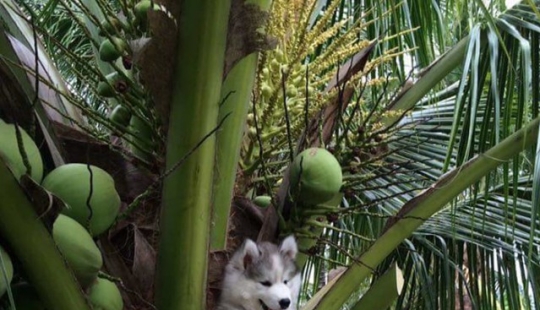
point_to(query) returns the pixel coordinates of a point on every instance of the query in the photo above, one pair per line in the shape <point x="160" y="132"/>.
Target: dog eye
<point x="286" y="281"/>
<point x="266" y="283"/>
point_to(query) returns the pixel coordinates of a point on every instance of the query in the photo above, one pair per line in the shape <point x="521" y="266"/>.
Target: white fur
<point x="242" y="288"/>
<point x="288" y="247"/>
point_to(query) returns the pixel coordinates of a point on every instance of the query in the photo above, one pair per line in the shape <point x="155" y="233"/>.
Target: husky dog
<point x="261" y="276"/>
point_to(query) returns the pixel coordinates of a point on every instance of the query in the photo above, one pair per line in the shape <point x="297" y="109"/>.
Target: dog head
<point x="274" y="279"/>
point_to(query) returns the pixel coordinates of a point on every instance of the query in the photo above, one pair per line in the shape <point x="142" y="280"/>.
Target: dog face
<point x="266" y="275"/>
<point x="274" y="272"/>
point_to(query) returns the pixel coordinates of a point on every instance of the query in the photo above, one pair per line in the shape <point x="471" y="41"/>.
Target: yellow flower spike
<point x="319" y="26"/>
<point x="284" y="69"/>
<point x="266" y="90"/>
<point x="317" y="38"/>
<point x="252" y="133"/>
<point x="275" y="65"/>
<point x="250" y="119"/>
<point x="288" y="23"/>
<point x="291" y="91"/>
<point x="298" y="81"/>
<point x="265" y="73"/>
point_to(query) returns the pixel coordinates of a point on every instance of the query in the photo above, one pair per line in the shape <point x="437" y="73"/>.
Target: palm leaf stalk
<point x="235" y="99"/>
<point x="423" y="206"/>
<point x="187" y="190"/>
<point x="431" y="77"/>
<point x="384" y="292"/>
<point x="35" y="249"/>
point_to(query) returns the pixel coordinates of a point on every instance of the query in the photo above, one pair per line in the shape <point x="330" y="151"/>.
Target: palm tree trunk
<point x="187" y="190"/>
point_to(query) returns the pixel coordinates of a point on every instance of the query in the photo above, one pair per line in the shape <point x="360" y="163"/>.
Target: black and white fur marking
<point x="262" y="276"/>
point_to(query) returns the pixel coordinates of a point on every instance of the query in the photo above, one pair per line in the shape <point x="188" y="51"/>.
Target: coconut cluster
<point x="123" y="36"/>
<point x="92" y="205"/>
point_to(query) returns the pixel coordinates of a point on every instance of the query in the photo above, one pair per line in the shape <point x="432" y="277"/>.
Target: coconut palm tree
<point x="431" y="109"/>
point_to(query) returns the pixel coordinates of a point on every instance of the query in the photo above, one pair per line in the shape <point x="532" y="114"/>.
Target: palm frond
<point x="479" y="250"/>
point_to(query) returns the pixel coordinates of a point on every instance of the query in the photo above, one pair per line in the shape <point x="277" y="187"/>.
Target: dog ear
<point x="251" y="252"/>
<point x="245" y="255"/>
<point x="288" y="247"/>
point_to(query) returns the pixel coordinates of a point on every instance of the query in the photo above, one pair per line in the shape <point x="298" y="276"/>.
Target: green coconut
<point x="8" y="267"/>
<point x="141" y="13"/>
<point x="121" y="116"/>
<point x="111" y="26"/>
<point x="262" y="201"/>
<point x="26" y="298"/>
<point x="105" y="295"/>
<point x="142" y="135"/>
<point x="111" y="50"/>
<point x="9" y="151"/>
<point x="71" y="183"/>
<point x="78" y="248"/>
<point x="142" y="8"/>
<point x="106" y="88"/>
<point x="315" y="176"/>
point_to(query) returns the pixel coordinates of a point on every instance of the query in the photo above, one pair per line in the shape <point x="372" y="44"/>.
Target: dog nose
<point x="284" y="303"/>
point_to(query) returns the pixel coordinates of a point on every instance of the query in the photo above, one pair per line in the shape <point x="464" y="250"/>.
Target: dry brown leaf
<point x="144" y="263"/>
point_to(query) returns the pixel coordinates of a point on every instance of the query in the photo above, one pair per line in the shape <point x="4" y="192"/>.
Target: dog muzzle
<point x="284" y="304"/>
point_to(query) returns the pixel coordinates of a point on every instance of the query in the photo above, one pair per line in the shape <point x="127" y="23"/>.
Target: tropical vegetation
<point x="396" y="140"/>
